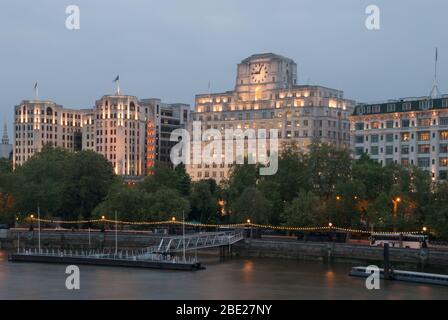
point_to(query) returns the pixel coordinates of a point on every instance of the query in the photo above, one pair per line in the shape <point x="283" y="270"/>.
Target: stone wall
<point x="77" y="239"/>
<point x="337" y="252"/>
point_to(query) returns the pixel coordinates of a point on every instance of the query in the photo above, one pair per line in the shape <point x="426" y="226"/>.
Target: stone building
<point x="267" y="96"/>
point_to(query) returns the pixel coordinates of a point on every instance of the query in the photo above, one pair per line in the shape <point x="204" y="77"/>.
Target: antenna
<point x="435" y="93"/>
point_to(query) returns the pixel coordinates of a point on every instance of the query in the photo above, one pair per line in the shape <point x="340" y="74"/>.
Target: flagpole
<point x="36" y="90"/>
<point x="435" y="66"/>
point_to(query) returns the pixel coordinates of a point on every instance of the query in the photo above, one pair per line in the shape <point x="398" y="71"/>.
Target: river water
<point x="237" y="278"/>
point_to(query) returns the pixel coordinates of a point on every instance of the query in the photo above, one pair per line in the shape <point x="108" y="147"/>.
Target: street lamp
<point x="424" y="229"/>
<point x="248" y="222"/>
<point x="338" y="198"/>
<point x="330" y="225"/>
<point x="395" y="201"/>
<point x="103" y="228"/>
<point x="32" y="222"/>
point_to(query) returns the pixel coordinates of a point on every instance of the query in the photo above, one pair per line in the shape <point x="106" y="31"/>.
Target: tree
<point x="5" y="166"/>
<point x="167" y="177"/>
<point x="130" y="204"/>
<point x="436" y="211"/>
<point x="370" y="173"/>
<point x="63" y="184"/>
<point x="240" y="177"/>
<point x="40" y="182"/>
<point x="379" y="212"/>
<point x="166" y="203"/>
<point x="293" y="174"/>
<point x="251" y="204"/>
<point x="328" y="165"/>
<point x="83" y="190"/>
<point x="303" y="211"/>
<point x="183" y="180"/>
<point x="345" y="203"/>
<point x="204" y="201"/>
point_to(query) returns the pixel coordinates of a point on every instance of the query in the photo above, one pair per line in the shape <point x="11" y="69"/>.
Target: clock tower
<point x="265" y="72"/>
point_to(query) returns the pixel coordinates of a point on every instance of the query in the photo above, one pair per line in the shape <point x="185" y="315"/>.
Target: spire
<point x="435" y="93"/>
<point x="5" y="139"/>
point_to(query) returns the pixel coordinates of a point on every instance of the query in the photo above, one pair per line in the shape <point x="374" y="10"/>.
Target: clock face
<point x="259" y="72"/>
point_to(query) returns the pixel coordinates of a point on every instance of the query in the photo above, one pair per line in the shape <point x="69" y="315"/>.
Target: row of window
<point x="207" y="174"/>
<point x="423" y="162"/>
<point x="49" y="112"/>
<point x="406" y="106"/>
<point x="405" y="123"/>
<point x="405" y="149"/>
<point x="405" y="136"/>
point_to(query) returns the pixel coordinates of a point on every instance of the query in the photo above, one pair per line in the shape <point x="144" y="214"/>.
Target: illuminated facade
<point x="119" y="131"/>
<point x="40" y="122"/>
<point x="166" y="118"/>
<point x="267" y="96"/>
<point x="129" y="133"/>
<point x="410" y="131"/>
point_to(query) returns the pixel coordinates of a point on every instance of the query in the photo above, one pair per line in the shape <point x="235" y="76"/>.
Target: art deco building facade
<point x="40" y="122"/>
<point x="116" y="128"/>
<point x="120" y="127"/>
<point x="411" y="131"/>
<point x="267" y="96"/>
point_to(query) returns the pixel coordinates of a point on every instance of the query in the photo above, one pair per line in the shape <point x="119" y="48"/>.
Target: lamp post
<point x="250" y="224"/>
<point x="89" y="235"/>
<point x="330" y="227"/>
<point x="32" y="222"/>
<point x="38" y="222"/>
<point x="395" y="202"/>
<point x="103" y="228"/>
<point x="183" y="233"/>
<point x="116" y="234"/>
<point x="170" y="229"/>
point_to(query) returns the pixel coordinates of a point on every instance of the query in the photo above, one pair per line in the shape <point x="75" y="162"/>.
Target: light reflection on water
<point x="231" y="279"/>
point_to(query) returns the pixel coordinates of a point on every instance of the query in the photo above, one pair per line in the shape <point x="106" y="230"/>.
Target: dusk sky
<point x="171" y="49"/>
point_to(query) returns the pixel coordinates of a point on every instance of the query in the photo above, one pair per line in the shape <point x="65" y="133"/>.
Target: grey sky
<point x="172" y="48"/>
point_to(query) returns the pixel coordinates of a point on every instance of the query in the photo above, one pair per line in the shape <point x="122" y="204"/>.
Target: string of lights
<point x="247" y="224"/>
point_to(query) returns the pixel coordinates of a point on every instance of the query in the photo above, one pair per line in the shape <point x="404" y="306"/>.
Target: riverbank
<point x="337" y="252"/>
<point x="248" y="248"/>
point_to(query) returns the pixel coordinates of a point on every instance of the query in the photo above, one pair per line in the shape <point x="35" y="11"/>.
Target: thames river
<point x="237" y="278"/>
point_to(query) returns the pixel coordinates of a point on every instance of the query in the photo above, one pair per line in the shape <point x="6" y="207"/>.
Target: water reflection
<point x="329" y="276"/>
<point x="230" y="279"/>
<point x="248" y="268"/>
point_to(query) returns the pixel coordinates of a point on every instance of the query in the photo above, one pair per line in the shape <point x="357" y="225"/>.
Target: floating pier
<point x="139" y="259"/>
<point x="401" y="275"/>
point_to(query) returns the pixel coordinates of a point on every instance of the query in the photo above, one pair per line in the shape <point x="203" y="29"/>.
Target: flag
<point x="36" y="90"/>
<point x="117" y="78"/>
<point x="436" y="54"/>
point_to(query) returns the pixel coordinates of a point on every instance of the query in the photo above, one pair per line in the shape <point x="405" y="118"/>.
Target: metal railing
<point x="126" y="255"/>
<point x="197" y="241"/>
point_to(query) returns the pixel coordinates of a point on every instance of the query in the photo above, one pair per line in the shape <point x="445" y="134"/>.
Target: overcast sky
<point x="172" y="48"/>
